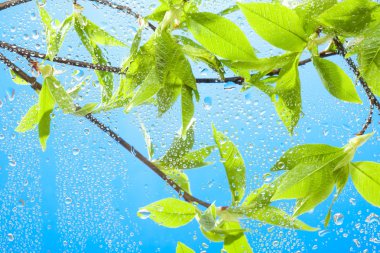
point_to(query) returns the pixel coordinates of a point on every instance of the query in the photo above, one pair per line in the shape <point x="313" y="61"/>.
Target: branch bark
<point x="12" y="3"/>
<point x="37" y="87"/>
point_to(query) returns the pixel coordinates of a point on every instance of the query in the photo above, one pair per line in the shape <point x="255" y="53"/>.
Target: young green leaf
<point x="179" y="177"/>
<point x="98" y="35"/>
<point x="105" y="78"/>
<point x="277" y="24"/>
<point x="369" y="58"/>
<point x="187" y="105"/>
<point x="233" y="164"/>
<point x="349" y="17"/>
<point x="199" y="53"/>
<point x="169" y="212"/>
<point x="220" y="36"/>
<point x="366" y="179"/>
<point x="309" y="10"/>
<point x="207" y="219"/>
<point x="29" y="121"/>
<point x="86" y="109"/>
<point x="45" y="108"/>
<point x="17" y="79"/>
<point x="304" y="154"/>
<point x="61" y="97"/>
<point x="275" y="216"/>
<point x="288" y="95"/>
<point x="236" y="243"/>
<point x="336" y="81"/>
<point x="148" y="141"/>
<point x="182" y="248"/>
<point x="180" y="147"/>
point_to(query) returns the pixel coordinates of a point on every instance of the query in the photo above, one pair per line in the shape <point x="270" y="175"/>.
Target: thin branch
<point x="30" y="53"/>
<point x="123" y="8"/>
<point x="343" y="52"/>
<point x="369" y="118"/>
<point x="12" y="3"/>
<point x="37" y="87"/>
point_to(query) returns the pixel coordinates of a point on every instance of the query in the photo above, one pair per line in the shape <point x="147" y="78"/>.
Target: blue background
<point x="63" y="200"/>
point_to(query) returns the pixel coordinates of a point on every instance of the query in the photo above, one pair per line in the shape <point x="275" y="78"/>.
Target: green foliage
<point x="234" y="165"/>
<point x="277" y="24"/>
<point x="366" y="178"/>
<point x="221" y="36"/>
<point x="182" y="248"/>
<point x="336" y="81"/>
<point x="350" y="17"/>
<point x="312" y="173"/>
<point x="171" y="213"/>
<point x="158" y="71"/>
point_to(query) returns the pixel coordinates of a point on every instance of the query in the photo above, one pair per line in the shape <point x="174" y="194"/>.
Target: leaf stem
<point x="37" y="87"/>
<point x="369" y="118"/>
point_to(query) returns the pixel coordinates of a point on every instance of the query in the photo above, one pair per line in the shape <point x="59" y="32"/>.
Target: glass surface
<point x="83" y="193"/>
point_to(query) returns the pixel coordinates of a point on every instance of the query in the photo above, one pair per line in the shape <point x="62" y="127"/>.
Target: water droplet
<point x="11" y="238"/>
<point x="143" y="214"/>
<point x="76" y="151"/>
<point x="207" y="103"/>
<point x="68" y="201"/>
<point x="372" y="218"/>
<point x="322" y="233"/>
<point x="338" y="219"/>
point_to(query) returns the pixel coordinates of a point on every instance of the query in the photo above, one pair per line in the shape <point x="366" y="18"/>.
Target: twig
<point x="343" y="52"/>
<point x="37" y="87"/>
<point x="30" y="53"/>
<point x="369" y="119"/>
<point x="12" y="3"/>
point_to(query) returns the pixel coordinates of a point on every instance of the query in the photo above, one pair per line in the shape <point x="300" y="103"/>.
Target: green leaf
<point x="199" y="53"/>
<point x="310" y="183"/>
<point x="61" y="97"/>
<point x="309" y="10"/>
<point x="275" y="216"/>
<point x="336" y="81"/>
<point x="306" y="153"/>
<point x="187" y="105"/>
<point x="195" y="159"/>
<point x="148" y="141"/>
<point x="288" y="99"/>
<point x="169" y="212"/>
<point x="220" y="36"/>
<point x="180" y="147"/>
<point x="179" y="177"/>
<point x="233" y="164"/>
<point x="207" y="219"/>
<point x="62" y="31"/>
<point x="221" y="230"/>
<point x="17" y="79"/>
<point x="237" y="243"/>
<point x="277" y="24"/>
<point x="29" y="121"/>
<point x="366" y="179"/>
<point x="45" y="108"/>
<point x="369" y="58"/>
<point x="182" y="248"/>
<point x="105" y="78"/>
<point x="86" y="109"/>
<point x="98" y="35"/>
<point x="349" y="17"/>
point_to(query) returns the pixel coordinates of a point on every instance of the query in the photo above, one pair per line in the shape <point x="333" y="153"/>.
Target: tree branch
<point x="30" y="53"/>
<point x="37" y="87"/>
<point x="369" y="118"/>
<point x="12" y="3"/>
